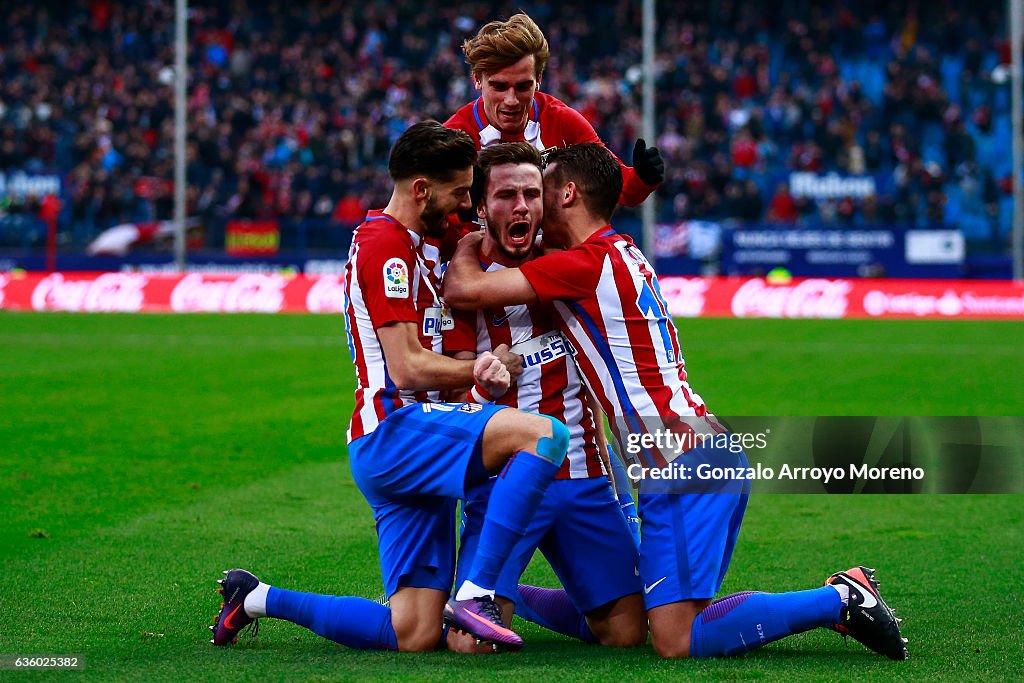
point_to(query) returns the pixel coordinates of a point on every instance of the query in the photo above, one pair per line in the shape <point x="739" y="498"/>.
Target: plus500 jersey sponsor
<point x="543" y="349"/>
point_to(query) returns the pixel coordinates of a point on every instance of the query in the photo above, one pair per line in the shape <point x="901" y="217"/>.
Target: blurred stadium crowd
<point x="293" y="106"/>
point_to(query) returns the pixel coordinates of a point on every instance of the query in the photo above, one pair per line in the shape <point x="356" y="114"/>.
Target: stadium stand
<point x="293" y="106"/>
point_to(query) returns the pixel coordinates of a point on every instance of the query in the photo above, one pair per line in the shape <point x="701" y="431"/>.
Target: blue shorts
<point x="581" y="532"/>
<point x="687" y="539"/>
<point x="412" y="470"/>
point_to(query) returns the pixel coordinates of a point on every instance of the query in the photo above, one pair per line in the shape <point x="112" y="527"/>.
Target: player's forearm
<point x="469" y="287"/>
<point x="428" y="371"/>
<point x="463" y="272"/>
<point x="461" y="394"/>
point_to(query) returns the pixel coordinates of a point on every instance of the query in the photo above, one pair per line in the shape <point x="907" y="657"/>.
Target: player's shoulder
<point x="581" y="255"/>
<point x="549" y="102"/>
<point x="549" y="106"/>
<point x="463" y="119"/>
<point x="605" y="239"/>
<point x="598" y="246"/>
<point x="556" y="115"/>
<point x="382" y="234"/>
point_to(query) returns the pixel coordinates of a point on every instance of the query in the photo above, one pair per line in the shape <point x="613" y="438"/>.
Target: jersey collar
<point x="490" y="135"/>
<point x="378" y="215"/>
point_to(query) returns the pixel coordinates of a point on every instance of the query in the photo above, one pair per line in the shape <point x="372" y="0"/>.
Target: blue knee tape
<point x="555" y="447"/>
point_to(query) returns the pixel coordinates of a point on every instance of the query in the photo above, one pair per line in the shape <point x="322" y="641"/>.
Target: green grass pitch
<point x="141" y="455"/>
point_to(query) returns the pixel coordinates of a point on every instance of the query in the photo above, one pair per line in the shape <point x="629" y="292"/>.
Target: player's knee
<point x="418" y="639"/>
<point x="414" y="633"/>
<point x="634" y="635"/>
<point x="671" y="647"/>
<point x="554" y="447"/>
<point x="418" y="644"/>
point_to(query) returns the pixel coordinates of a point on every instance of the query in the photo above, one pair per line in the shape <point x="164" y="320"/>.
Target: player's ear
<point x="478" y="82"/>
<point x="480" y="211"/>
<point x="569" y="193"/>
<point x="421" y="189"/>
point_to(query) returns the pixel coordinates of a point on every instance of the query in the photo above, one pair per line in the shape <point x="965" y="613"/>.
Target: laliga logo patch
<point x="396" y="279"/>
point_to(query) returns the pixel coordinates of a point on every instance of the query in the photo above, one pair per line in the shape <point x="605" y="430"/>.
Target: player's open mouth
<point x="511" y="115"/>
<point x="518" y="233"/>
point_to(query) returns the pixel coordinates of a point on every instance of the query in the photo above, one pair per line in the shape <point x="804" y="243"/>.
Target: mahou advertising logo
<point x="111" y="293"/>
<point x="813" y="298"/>
<point x="327" y="295"/>
<point x="244" y="294"/>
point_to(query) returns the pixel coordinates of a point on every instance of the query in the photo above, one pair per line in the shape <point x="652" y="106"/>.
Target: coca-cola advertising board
<point x="843" y="298"/>
<point x="159" y="293"/>
<point x="686" y="296"/>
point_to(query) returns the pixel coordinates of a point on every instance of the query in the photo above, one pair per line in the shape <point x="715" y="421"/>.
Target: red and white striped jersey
<point x="550" y="382"/>
<point x="391" y="276"/>
<point x="611" y="310"/>
<point x="552" y="123"/>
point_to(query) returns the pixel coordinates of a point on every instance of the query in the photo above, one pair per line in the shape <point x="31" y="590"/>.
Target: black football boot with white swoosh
<point x="866" y="617"/>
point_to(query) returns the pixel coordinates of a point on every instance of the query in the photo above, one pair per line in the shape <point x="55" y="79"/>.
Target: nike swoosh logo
<point x="489" y="624"/>
<point x="648" y="589"/>
<point x="501" y="321"/>
<point x="227" y="619"/>
<point x="869" y="598"/>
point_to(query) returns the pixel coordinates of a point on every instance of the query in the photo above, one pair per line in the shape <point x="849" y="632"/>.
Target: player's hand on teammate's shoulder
<point x="491" y="375"/>
<point x="513" y="362"/>
<point x="648" y="163"/>
<point x="470" y="241"/>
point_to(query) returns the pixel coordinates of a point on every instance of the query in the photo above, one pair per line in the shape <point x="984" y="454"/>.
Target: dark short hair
<point x="430" y="150"/>
<point x="508" y="153"/>
<point x="595" y="171"/>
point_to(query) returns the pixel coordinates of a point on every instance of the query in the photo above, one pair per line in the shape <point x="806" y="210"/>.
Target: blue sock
<point x="744" y="621"/>
<point x="626" y="503"/>
<point x="552" y="609"/>
<point x="354" y="622"/>
<point x="517" y="492"/>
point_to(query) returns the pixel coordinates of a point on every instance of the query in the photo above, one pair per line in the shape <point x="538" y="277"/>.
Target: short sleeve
<point x="565" y="275"/>
<point x="386" y="266"/>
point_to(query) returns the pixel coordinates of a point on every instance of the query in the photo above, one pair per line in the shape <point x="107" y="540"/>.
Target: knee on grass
<point x="418" y="639"/>
<point x="672" y="648"/>
<point x="634" y="636"/>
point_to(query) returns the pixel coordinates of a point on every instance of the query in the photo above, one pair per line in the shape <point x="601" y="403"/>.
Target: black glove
<point x="647" y="163"/>
<point x="476" y="193"/>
